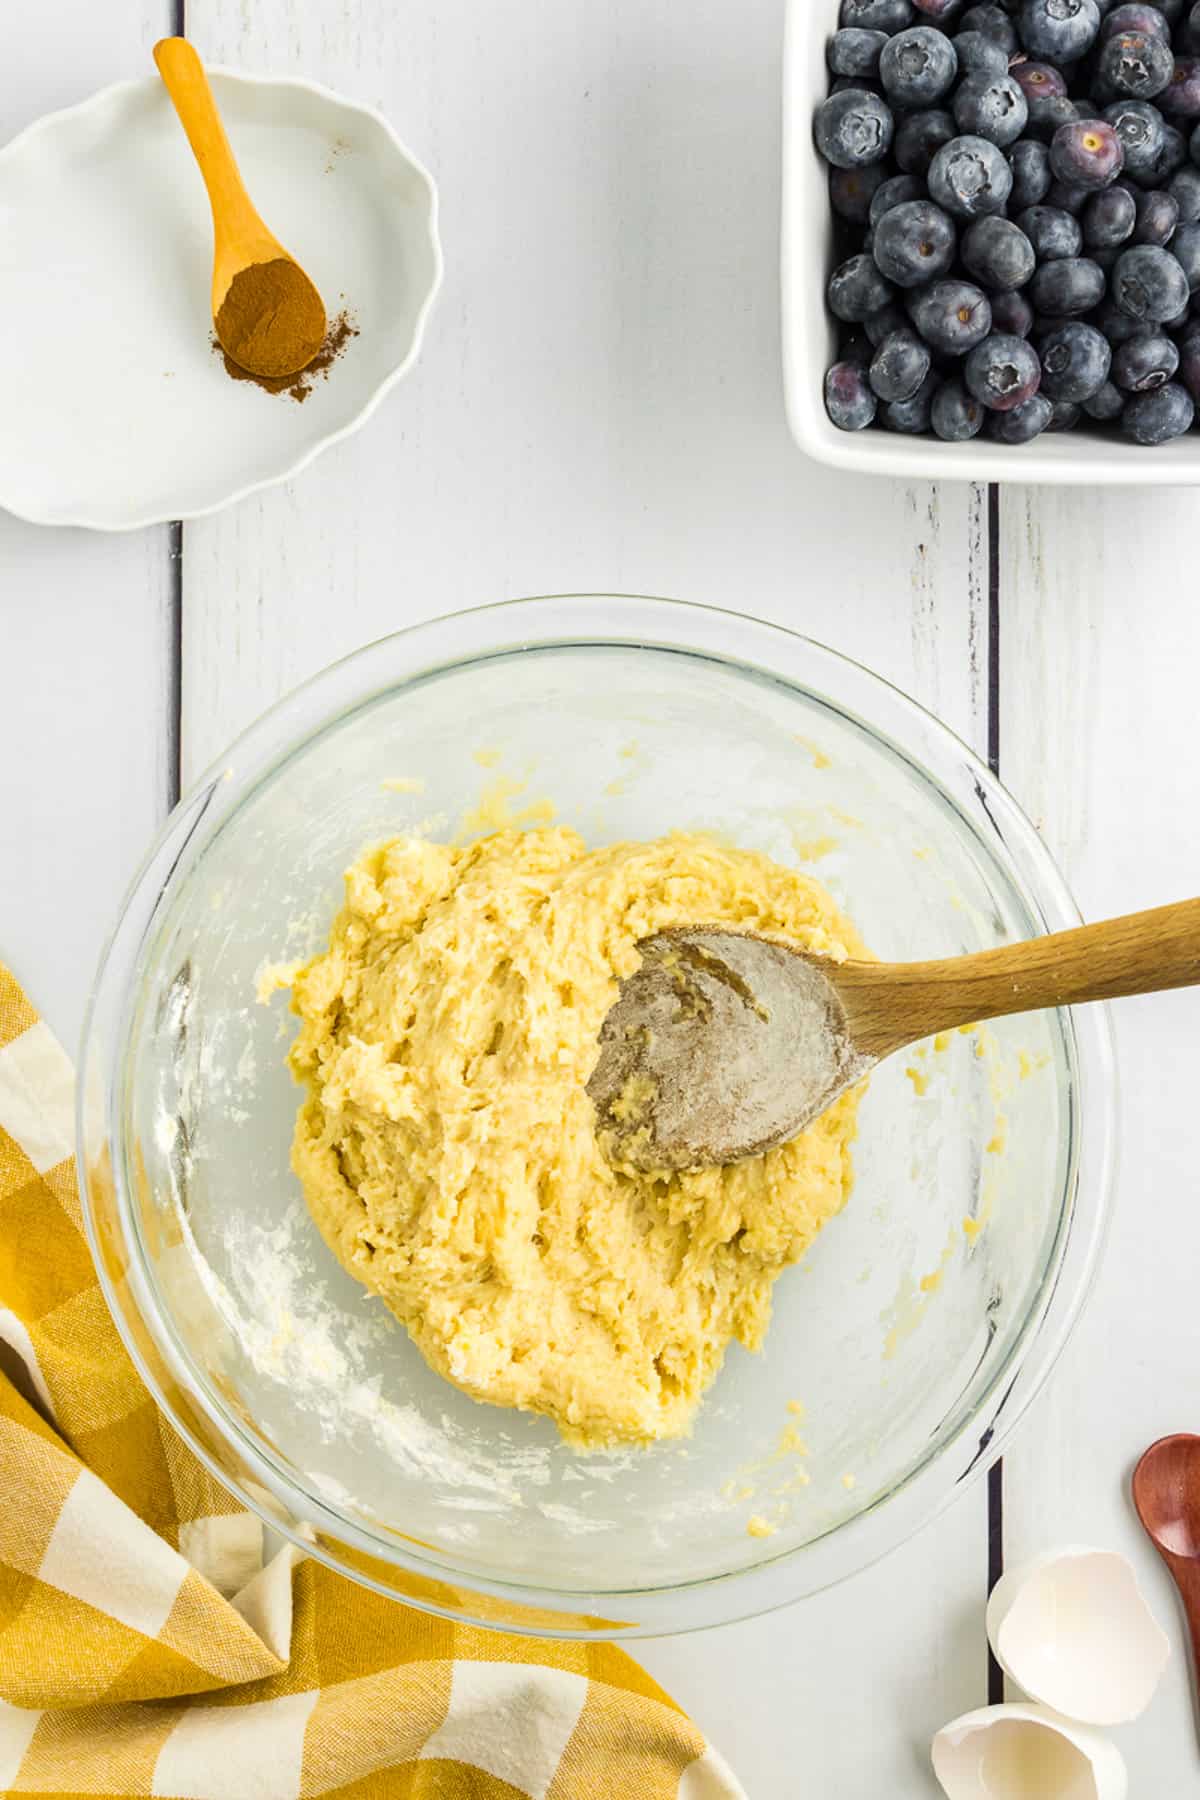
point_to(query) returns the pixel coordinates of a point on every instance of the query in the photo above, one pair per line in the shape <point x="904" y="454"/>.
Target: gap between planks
<point x="174" y="758"/>
<point x="995" y="1486"/>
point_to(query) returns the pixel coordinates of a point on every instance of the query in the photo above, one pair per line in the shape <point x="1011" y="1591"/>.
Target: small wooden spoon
<point x="286" y="313"/>
<point x="723" y="1044"/>
<point x="1166" y="1493"/>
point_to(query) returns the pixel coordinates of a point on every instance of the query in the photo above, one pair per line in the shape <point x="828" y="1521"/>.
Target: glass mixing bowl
<point x="905" y="1346"/>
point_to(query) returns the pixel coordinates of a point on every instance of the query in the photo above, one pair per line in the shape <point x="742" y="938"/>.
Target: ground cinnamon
<point x="299" y="387"/>
<point x="271" y="321"/>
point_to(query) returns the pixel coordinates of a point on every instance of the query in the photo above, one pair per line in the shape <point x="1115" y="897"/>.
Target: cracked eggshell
<point x="1012" y="1752"/>
<point x="1072" y="1629"/>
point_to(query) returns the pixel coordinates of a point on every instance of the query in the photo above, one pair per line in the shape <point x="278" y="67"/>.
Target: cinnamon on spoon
<point x="267" y="313"/>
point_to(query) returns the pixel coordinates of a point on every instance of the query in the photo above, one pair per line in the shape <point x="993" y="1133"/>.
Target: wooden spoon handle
<point x="1186" y="1574"/>
<point x="889" y="1005"/>
<point x="183" y="75"/>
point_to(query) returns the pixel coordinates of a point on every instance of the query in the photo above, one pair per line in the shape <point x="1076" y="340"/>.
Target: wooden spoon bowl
<point x="724" y="1044"/>
<point x="1166" y="1493"/>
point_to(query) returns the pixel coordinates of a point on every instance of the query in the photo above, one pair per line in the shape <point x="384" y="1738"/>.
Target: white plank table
<point x="1101" y="641"/>
<point x="86" y="631"/>
<point x="599" y="407"/>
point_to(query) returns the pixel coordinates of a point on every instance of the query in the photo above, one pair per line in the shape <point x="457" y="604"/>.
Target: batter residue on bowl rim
<point x="447" y="1148"/>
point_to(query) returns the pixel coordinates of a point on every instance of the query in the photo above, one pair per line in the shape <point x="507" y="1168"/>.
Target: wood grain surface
<point x="599" y="407"/>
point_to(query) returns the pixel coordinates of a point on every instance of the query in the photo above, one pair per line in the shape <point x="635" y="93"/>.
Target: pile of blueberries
<point x="1017" y="191"/>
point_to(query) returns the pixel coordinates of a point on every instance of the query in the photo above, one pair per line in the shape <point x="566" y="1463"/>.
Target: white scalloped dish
<point x="119" y="412"/>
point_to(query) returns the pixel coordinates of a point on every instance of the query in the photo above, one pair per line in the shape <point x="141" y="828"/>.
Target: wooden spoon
<point x="278" y="322"/>
<point x="723" y="1044"/>
<point x="1166" y="1493"/>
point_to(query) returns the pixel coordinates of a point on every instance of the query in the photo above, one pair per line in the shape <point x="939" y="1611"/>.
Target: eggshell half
<point x="1073" y="1630"/>
<point x="1014" y="1752"/>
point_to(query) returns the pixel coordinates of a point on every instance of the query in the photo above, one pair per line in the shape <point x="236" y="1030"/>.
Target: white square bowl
<point x="1079" y="458"/>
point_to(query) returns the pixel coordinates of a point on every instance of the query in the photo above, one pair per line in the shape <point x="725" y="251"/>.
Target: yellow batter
<point x="447" y="1149"/>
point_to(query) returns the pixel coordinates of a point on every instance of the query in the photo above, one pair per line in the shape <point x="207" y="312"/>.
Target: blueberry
<point x="1157" y="418"/>
<point x="1047" y="114"/>
<point x="912" y="416"/>
<point x="1149" y="284"/>
<point x="1191" y="31"/>
<point x="1133" y="17"/>
<point x="1030" y="164"/>
<point x="914" y="243"/>
<point x="1068" y="197"/>
<point x="994" y="23"/>
<point x="1106" y="403"/>
<point x="894" y="192"/>
<point x="1053" y="233"/>
<point x="855" y="53"/>
<point x="900" y="366"/>
<point x="992" y="107"/>
<point x="883" y="323"/>
<point x="1003" y="372"/>
<point x="1089" y="154"/>
<point x="1146" y="362"/>
<point x="1141" y="129"/>
<point x="851" y="191"/>
<point x="1076" y="359"/>
<point x="854" y="128"/>
<point x="1012" y="313"/>
<point x="1182" y="96"/>
<point x="1067" y="288"/>
<point x="952" y="316"/>
<point x="877" y="15"/>
<point x="998" y="254"/>
<point x="1064" y="415"/>
<point x="938" y="9"/>
<point x="857" y="289"/>
<point x="918" y="66"/>
<point x="1136" y="64"/>
<point x="848" y="397"/>
<point x="1024" y="423"/>
<point x="957" y="416"/>
<point x="1059" y="30"/>
<point x="1184" y="189"/>
<point x="1185" y="248"/>
<point x="979" y="55"/>
<point x="970" y="177"/>
<point x="1195" y="146"/>
<point x="1157" y="217"/>
<point x="1037" y="80"/>
<point x="919" y="136"/>
<point x="1108" y="218"/>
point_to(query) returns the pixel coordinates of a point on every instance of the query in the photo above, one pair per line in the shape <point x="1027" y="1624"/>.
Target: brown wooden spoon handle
<point x="889" y="1005"/>
<point x="1185" y="1572"/>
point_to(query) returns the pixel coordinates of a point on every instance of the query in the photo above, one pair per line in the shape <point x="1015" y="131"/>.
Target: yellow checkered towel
<point x="144" y="1647"/>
